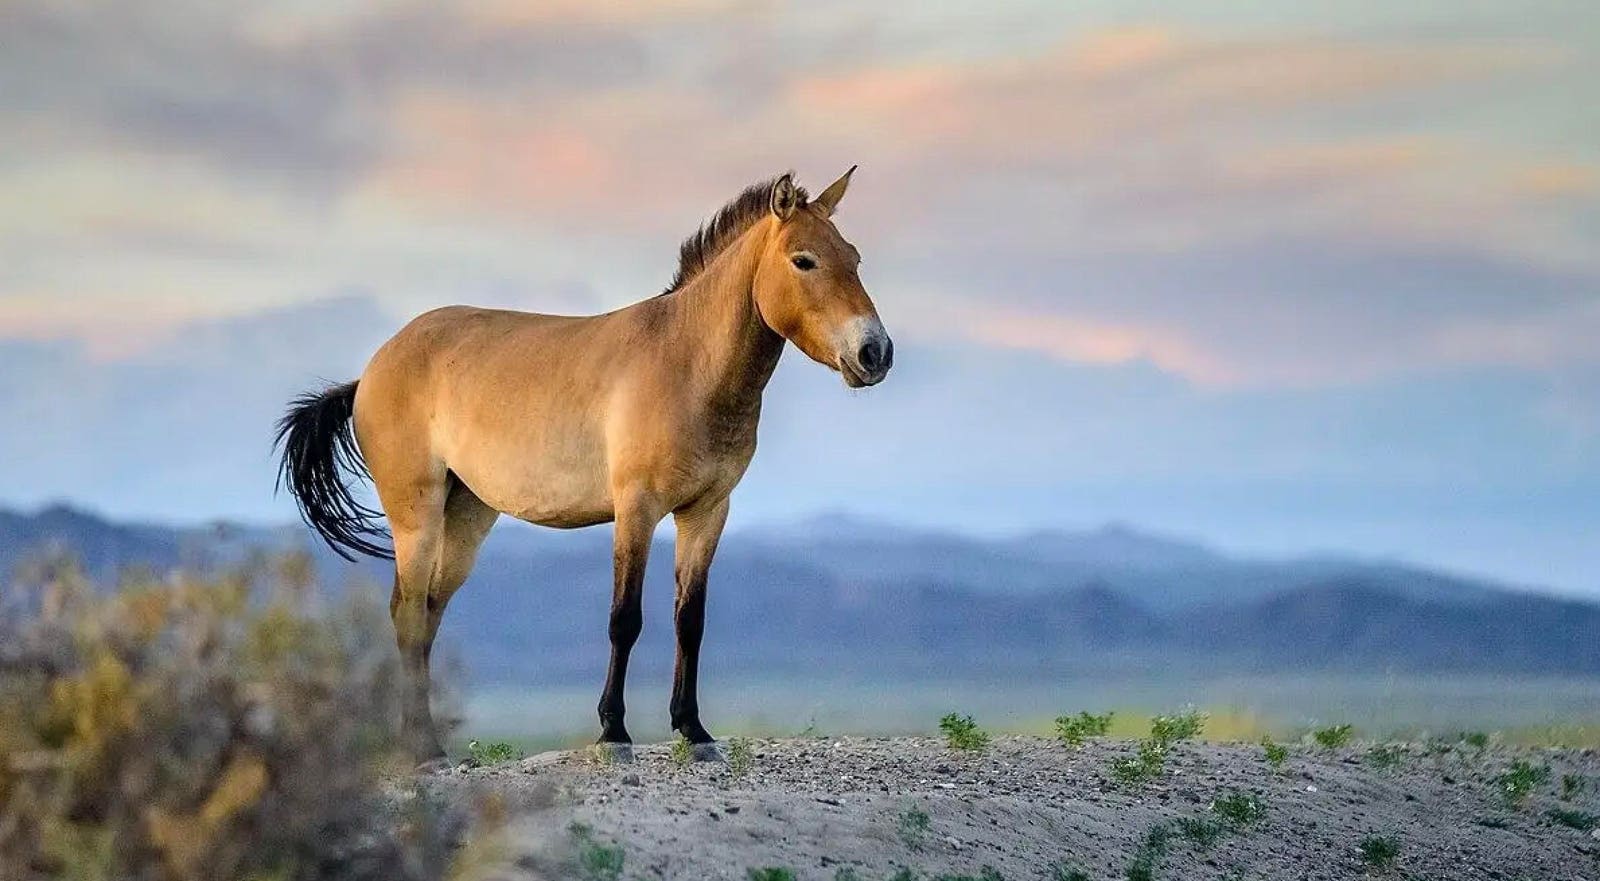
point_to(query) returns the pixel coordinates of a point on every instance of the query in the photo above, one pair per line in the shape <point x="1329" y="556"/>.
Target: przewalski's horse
<point x="466" y="414"/>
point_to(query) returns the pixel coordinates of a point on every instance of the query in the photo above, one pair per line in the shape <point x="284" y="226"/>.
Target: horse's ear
<point x="785" y="198"/>
<point x="829" y="200"/>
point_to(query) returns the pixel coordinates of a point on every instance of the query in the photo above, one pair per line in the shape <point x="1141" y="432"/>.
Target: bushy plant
<point x="1167" y="730"/>
<point x="184" y="729"/>
<point x="596" y="860"/>
<point x="682" y="752"/>
<point x="1074" y="730"/>
<point x="485" y="754"/>
<point x="962" y="733"/>
<point x="913" y="826"/>
<point x="1379" y="852"/>
<point x="1334" y="736"/>
<point x="1239" y="809"/>
<point x="1583" y="821"/>
<point x="741" y="756"/>
<point x="1387" y="757"/>
<point x="1276" y="753"/>
<point x="1520" y="780"/>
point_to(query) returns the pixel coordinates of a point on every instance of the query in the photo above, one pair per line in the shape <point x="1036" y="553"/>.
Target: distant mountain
<point x="837" y="595"/>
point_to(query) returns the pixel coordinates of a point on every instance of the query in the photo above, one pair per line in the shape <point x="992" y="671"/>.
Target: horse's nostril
<point x="868" y="356"/>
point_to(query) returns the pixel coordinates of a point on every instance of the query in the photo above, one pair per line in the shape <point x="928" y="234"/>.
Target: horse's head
<point x="807" y="288"/>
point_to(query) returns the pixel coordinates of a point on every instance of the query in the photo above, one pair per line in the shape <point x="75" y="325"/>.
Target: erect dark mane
<point x="730" y="222"/>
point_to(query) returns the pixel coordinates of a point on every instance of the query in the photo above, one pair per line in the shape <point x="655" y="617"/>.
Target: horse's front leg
<point x="699" y="528"/>
<point x="635" y="525"/>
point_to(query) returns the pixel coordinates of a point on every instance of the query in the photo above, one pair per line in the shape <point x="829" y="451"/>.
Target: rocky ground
<point x="1029" y="808"/>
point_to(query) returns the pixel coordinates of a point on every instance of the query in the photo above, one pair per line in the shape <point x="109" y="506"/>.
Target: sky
<point x="1286" y="278"/>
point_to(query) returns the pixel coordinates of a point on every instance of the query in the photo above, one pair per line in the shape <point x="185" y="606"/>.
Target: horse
<point x="566" y="421"/>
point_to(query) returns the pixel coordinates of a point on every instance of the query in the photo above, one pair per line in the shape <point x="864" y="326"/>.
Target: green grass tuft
<point x="741" y="756"/>
<point x="1167" y="730"/>
<point x="1075" y="730"/>
<point x="1334" y="736"/>
<point x="962" y="733"/>
<point x="1202" y="832"/>
<point x="1379" y="852"/>
<point x="1239" y="809"/>
<point x="597" y="861"/>
<point x="1386" y="758"/>
<point x="1580" y="820"/>
<point x="770" y="873"/>
<point x="485" y="754"/>
<point x="1276" y="753"/>
<point x="682" y="752"/>
<point x="1520" y="780"/>
<point x="913" y="826"/>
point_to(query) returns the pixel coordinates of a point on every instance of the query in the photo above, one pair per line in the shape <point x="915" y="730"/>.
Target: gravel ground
<point x="1026" y="806"/>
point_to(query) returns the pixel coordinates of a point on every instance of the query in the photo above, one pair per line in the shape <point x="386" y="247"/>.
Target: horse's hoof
<point x="707" y="752"/>
<point x="612" y="752"/>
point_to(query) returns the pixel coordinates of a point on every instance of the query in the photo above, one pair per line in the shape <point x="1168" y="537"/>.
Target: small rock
<point x="631" y="780"/>
<point x="1311" y="788"/>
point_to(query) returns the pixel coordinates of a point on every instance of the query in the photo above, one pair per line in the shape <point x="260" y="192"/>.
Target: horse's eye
<point x="803" y="262"/>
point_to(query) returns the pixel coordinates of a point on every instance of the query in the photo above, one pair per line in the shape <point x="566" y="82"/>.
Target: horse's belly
<point x="549" y="485"/>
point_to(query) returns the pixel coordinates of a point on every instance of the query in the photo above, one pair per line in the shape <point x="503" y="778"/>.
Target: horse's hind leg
<point x="467" y="521"/>
<point x="436" y="540"/>
<point x="416" y="517"/>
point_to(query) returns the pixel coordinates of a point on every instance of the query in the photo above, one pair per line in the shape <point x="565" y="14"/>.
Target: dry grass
<point x="186" y="729"/>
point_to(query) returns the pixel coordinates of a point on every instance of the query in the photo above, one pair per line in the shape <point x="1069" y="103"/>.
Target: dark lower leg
<point x="626" y="622"/>
<point x="632" y="551"/>
<point x="699" y="529"/>
<point x="690" y="620"/>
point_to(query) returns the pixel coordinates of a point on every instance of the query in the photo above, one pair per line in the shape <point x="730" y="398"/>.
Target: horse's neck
<point x="731" y="351"/>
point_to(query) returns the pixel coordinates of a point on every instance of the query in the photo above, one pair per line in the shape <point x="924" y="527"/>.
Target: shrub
<point x="1573" y="785"/>
<point x="597" y="861"/>
<point x="1068" y="872"/>
<point x="1145" y="764"/>
<point x="1167" y="730"/>
<point x="1379" y="851"/>
<point x="1386" y="758"/>
<point x="1200" y="831"/>
<point x="1580" y="820"/>
<point x="1276" y="753"/>
<point x="770" y="873"/>
<point x="486" y="754"/>
<point x="1334" y="736"/>
<point x="1074" y="730"/>
<point x="1150" y="760"/>
<point x="913" y="826"/>
<point x="741" y="756"/>
<point x="682" y="752"/>
<point x="1239" y="809"/>
<point x="1478" y="740"/>
<point x="187" y="729"/>
<point x="1147" y="859"/>
<point x="962" y="733"/>
<point x="1520" y="780"/>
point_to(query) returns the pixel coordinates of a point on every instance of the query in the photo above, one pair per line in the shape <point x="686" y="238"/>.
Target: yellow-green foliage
<point x="186" y="729"/>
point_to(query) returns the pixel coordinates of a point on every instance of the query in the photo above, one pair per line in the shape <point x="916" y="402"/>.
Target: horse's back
<point x="513" y="403"/>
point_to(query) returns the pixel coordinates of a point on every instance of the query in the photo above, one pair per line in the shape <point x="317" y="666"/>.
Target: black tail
<point x="318" y="444"/>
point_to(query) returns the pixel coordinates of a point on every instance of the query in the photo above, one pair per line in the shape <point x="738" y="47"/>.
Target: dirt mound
<point x="1028" y="808"/>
